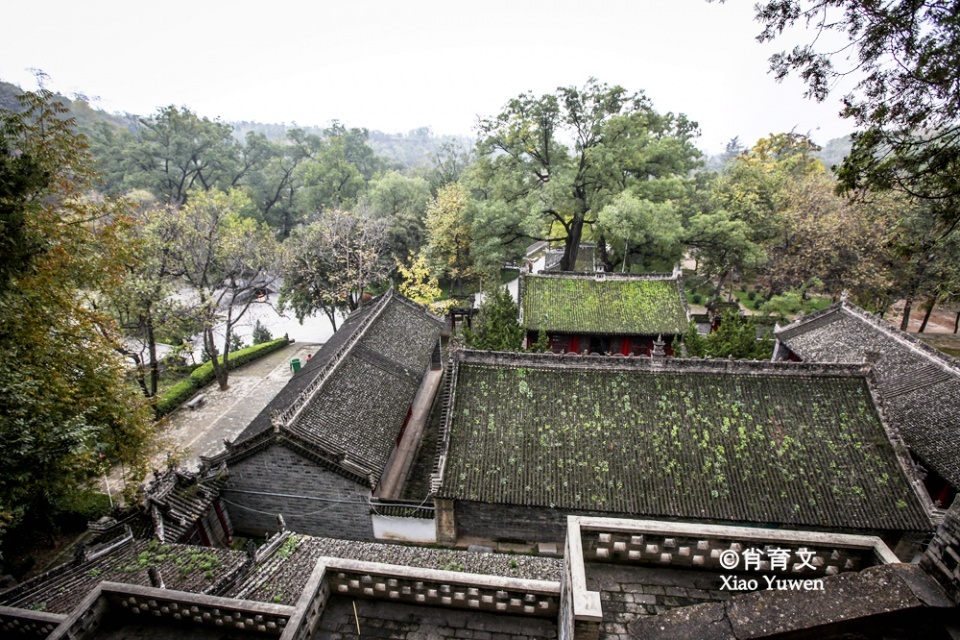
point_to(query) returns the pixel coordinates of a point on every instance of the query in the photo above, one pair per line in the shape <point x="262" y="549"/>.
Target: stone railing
<point x="580" y="609"/>
<point x="26" y="624"/>
<point x="417" y="586"/>
<point x="433" y="587"/>
<point x="112" y="599"/>
<point x="809" y="554"/>
<point x="652" y="542"/>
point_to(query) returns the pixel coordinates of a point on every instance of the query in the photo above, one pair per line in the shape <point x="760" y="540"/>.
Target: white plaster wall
<point x="404" y="529"/>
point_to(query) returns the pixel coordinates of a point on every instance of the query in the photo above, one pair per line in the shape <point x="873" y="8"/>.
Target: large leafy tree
<point x="143" y="302"/>
<point x="401" y="202"/>
<point x="554" y="161"/>
<point x="226" y="259"/>
<point x="906" y="102"/>
<point x="328" y="264"/>
<point x="63" y="398"/>
<point x="340" y="166"/>
<point x="175" y="152"/>
<point x="450" y="234"/>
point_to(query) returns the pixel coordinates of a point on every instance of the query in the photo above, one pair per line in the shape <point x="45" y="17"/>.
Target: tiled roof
<point x="919" y="385"/>
<point x="182" y="567"/>
<point x="603" y="304"/>
<point x="350" y="401"/>
<point x="181" y="498"/>
<point x="737" y="441"/>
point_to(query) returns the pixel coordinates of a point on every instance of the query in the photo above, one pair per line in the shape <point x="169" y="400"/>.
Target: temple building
<point x="603" y="313"/>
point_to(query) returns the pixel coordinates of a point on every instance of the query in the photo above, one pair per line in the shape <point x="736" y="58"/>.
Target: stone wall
<point x="311" y="499"/>
<point x="509" y="522"/>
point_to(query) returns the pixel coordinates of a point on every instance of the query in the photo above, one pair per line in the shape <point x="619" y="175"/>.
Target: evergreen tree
<point x="497" y="326"/>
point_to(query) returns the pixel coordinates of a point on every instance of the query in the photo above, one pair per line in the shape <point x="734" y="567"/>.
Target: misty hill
<point x="416" y="148"/>
<point x="81" y="110"/>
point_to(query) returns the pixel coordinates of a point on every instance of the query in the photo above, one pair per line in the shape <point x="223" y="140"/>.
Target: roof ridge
<point x="874" y="321"/>
<point x="903" y="337"/>
<point x="290" y="415"/>
<point x="661" y="365"/>
<point x="603" y="275"/>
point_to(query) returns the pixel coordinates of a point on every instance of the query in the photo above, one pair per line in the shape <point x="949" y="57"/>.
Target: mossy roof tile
<point x="678" y="441"/>
<point x="605" y="305"/>
<point x="920" y="385"/>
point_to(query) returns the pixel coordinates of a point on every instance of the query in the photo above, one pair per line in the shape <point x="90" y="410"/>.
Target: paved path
<point x="225" y="414"/>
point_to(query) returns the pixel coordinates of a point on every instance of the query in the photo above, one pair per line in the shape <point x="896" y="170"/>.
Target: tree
<point x="63" y="397"/>
<point x="272" y="181"/>
<point x="498" y="327"/>
<point x="652" y="230"/>
<point x="843" y="243"/>
<point x="554" y="191"/>
<point x="261" y="333"/>
<point x="745" y="220"/>
<point x="906" y="102"/>
<point x="328" y="264"/>
<point x="736" y="337"/>
<point x="449" y="234"/>
<point x="143" y="303"/>
<point x="176" y="152"/>
<point x="338" y="170"/>
<point x="418" y="283"/>
<point x="401" y="202"/>
<point x="226" y="259"/>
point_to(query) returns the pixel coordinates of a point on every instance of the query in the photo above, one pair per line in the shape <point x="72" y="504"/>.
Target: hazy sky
<point x="398" y="65"/>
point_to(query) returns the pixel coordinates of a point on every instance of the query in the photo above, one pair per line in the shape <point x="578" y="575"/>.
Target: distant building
<point x="319" y="451"/>
<point x="604" y="313"/>
<point x="918" y="385"/>
<point x="532" y="438"/>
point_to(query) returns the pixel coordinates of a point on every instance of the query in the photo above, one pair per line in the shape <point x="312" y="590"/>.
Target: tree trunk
<point x="331" y="312"/>
<point x="956" y="323"/>
<point x="716" y="292"/>
<point x="906" y="314"/>
<point x="572" y="244"/>
<point x="219" y="369"/>
<point x="154" y="364"/>
<point x="926" y="316"/>
<point x="602" y="254"/>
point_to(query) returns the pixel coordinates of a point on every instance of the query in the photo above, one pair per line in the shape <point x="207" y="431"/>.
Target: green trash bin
<point x="295" y="364"/>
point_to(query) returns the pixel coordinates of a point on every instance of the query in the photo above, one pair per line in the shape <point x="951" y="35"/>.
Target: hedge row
<point x="203" y="375"/>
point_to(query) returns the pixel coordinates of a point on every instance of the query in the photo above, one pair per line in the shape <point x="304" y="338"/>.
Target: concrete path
<point x="225" y="414"/>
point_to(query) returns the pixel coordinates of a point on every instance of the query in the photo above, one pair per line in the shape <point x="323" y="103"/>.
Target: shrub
<point x="696" y="298"/>
<point x="751" y="295"/>
<point x="82" y="507"/>
<point x="175" y="396"/>
<point x="203" y="375"/>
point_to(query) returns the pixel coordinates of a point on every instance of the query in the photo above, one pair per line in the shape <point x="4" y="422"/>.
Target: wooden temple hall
<point x="604" y="313"/>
